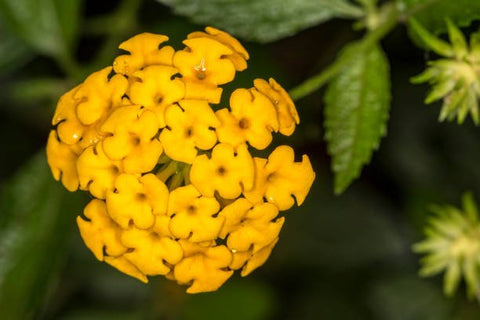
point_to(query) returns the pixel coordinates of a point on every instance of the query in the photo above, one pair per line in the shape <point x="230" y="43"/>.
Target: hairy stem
<point x="389" y="12"/>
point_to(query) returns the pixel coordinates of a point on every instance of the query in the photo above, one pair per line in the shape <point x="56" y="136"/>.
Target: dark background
<point x="339" y="257"/>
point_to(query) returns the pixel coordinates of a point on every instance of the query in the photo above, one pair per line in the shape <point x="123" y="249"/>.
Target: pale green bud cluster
<point x="452" y="245"/>
<point x="456" y="78"/>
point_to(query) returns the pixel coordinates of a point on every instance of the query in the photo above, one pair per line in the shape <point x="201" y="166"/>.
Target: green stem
<point x="373" y="37"/>
<point x="167" y="171"/>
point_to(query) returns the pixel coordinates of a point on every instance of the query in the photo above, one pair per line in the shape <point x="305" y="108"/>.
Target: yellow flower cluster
<point x="176" y="190"/>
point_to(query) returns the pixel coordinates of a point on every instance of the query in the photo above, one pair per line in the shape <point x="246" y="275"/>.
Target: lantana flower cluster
<point x="176" y="190"/>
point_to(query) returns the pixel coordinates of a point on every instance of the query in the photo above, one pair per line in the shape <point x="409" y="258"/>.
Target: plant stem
<point x="389" y="12"/>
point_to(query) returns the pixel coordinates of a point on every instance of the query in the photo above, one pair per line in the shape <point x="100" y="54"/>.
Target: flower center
<point x="189" y="132"/>
<point x="244" y="123"/>
<point x="221" y="171"/>
<point x="141" y="196"/>
<point x="158" y="99"/>
<point x="201" y="70"/>
<point x="135" y="140"/>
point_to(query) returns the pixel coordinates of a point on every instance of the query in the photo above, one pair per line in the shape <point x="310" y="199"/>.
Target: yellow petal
<point x="69" y="128"/>
<point x="233" y="214"/>
<point x="202" y="90"/>
<point x="286" y="112"/>
<point x="228" y="171"/>
<point x="192" y="215"/>
<point x="97" y="172"/>
<point x="137" y="200"/>
<point x="62" y="159"/>
<point x="239" y="55"/>
<point x="203" y="267"/>
<point x="281" y="180"/>
<point x="189" y="127"/>
<point x="144" y="51"/>
<point x="98" y="94"/>
<point x="250" y="228"/>
<point x="100" y="232"/>
<point x="229" y="130"/>
<point x="151" y="253"/>
<point x="132" y="131"/>
<point x="255" y="119"/>
<point x="239" y="259"/>
<point x="205" y="60"/>
<point x="258" y="259"/>
<point x="155" y="88"/>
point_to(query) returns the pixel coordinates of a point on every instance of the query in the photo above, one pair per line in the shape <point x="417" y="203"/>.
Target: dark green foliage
<point x="48" y="26"/>
<point x="263" y="20"/>
<point x="432" y="13"/>
<point x="356" y="112"/>
<point x="36" y="218"/>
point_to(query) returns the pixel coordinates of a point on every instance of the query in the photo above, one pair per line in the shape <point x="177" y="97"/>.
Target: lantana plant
<point x="176" y="190"/>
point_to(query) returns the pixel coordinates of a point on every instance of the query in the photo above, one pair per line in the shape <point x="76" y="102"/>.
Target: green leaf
<point x="356" y="112"/>
<point x="48" y="26"/>
<point x="13" y="52"/>
<point x="36" y="217"/>
<point x="432" y="13"/>
<point x="263" y="20"/>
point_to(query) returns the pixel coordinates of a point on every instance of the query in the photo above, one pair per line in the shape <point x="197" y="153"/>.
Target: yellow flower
<point x="137" y="200"/>
<point x="62" y="160"/>
<point x="98" y="94"/>
<point x="204" y="65"/>
<point x="248" y="261"/>
<point x="145" y="49"/>
<point x="189" y="126"/>
<point x="203" y="266"/>
<point x="192" y="215"/>
<point x="228" y="171"/>
<point x="239" y="55"/>
<point x="250" y="227"/>
<point x="69" y="128"/>
<point x="97" y="172"/>
<point x="100" y="233"/>
<point x="281" y="180"/>
<point x="286" y="112"/>
<point x="258" y="259"/>
<point x="252" y="119"/>
<point x="151" y="254"/>
<point x="132" y="138"/>
<point x="176" y="191"/>
<point x="155" y="88"/>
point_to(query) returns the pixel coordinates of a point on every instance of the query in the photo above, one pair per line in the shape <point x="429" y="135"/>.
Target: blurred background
<point x="339" y="257"/>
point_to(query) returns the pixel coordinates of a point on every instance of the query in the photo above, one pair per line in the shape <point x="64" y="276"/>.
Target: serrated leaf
<point x="36" y="218"/>
<point x="263" y="20"/>
<point x="48" y="26"/>
<point x="432" y="13"/>
<point x="357" y="104"/>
